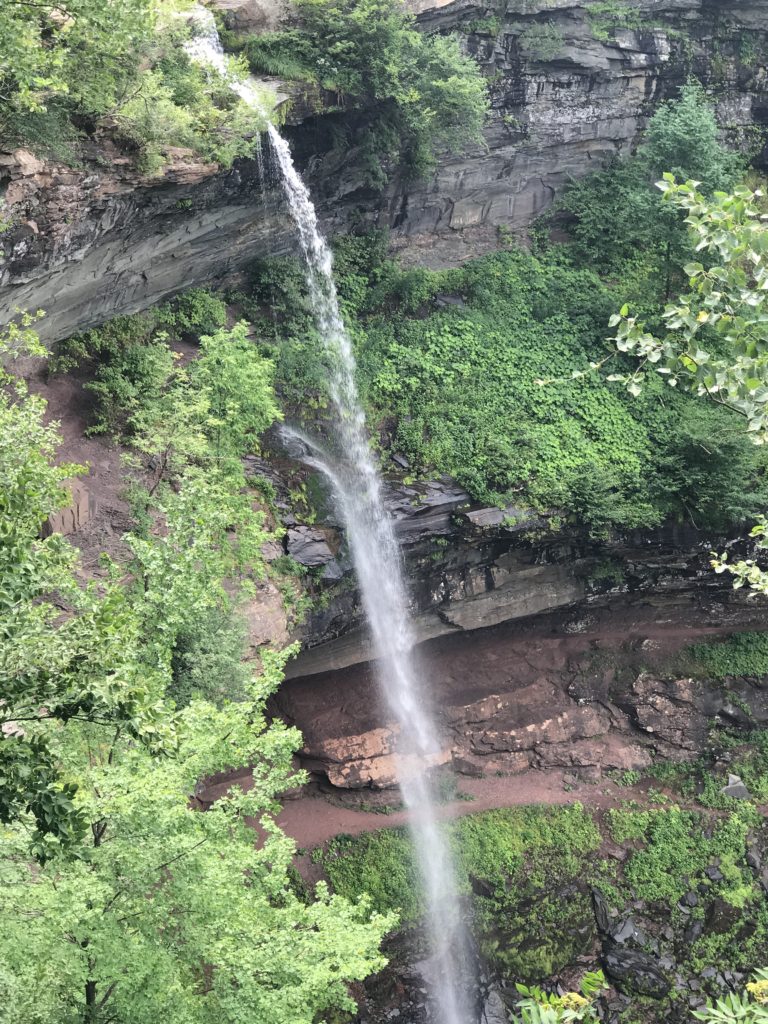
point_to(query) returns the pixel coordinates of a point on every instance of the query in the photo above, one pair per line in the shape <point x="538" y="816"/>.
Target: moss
<point x="743" y="654"/>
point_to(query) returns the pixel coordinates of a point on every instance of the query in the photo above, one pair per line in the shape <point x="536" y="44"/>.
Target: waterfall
<point x="357" y="488"/>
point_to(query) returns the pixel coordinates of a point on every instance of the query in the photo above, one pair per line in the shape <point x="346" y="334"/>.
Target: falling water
<point x="357" y="487"/>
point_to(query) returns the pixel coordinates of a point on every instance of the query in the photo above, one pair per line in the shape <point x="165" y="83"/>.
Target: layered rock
<point x="85" y="244"/>
<point x="472" y="567"/>
<point x="583" y="691"/>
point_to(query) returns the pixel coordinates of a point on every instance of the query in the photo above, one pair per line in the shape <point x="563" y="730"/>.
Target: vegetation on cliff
<point x="120" y="71"/>
<point x="85" y="68"/>
<point x="477" y="371"/>
<point x="415" y="93"/>
<point x="545" y="885"/>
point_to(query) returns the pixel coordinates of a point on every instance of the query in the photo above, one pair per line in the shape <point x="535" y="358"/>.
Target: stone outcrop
<point x="75" y="515"/>
<point x="581" y="692"/>
<point x="85" y="244"/>
<point x="472" y="567"/>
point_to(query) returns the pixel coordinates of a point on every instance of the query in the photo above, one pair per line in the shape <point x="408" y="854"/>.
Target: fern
<point x="750" y="1007"/>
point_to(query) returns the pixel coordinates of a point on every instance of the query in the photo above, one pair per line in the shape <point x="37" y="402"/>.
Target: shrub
<point x="417" y="91"/>
<point x="743" y="654"/>
<point x="195" y="312"/>
<point x="207" y="660"/>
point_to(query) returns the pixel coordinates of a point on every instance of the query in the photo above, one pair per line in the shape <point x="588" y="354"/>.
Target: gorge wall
<point x="571" y="85"/>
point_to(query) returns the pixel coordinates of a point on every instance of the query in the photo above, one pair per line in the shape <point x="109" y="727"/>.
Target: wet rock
<point x="80" y="510"/>
<point x="628" y="933"/>
<point x="602" y="912"/>
<point x="308" y="546"/>
<point x="511" y="517"/>
<point x="253" y="16"/>
<point x="636" y="972"/>
<point x="367" y="760"/>
<point x="494" y="1009"/>
<point x="693" y="931"/>
<point x="332" y="571"/>
<point x="721" y="916"/>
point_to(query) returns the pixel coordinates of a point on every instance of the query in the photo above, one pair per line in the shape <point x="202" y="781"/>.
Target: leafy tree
<point x="715" y="341"/>
<point x="68" y="651"/>
<point x="237" y="383"/>
<point x="122" y="902"/>
<point x="417" y="92"/>
<point x="84" y="66"/>
<point x="615" y="217"/>
<point x="169" y="912"/>
<point x="208" y="659"/>
<point x="208" y="544"/>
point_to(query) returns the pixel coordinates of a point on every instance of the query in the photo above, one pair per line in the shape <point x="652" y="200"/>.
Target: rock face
<point x="471" y="568"/>
<point x="579" y="691"/>
<point x="569" y="89"/>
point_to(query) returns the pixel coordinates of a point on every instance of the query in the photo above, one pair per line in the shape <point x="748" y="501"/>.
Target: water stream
<point x="356" y="484"/>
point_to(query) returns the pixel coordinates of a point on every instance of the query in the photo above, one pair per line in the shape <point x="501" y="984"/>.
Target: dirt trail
<point x="313" y="819"/>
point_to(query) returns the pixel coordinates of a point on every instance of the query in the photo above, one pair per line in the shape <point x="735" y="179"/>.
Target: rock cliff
<point x="571" y="85"/>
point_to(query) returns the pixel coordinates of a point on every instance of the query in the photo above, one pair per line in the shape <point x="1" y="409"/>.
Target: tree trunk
<point x="91" y="1009"/>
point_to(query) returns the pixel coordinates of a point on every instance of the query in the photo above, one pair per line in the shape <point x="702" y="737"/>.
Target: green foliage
<point x="460" y="385"/>
<point x="417" y="92"/>
<point x="539" y="1007"/>
<point x="512" y="859"/>
<point x="127" y="382"/>
<point x="606" y="16"/>
<point x="714" y="341"/>
<point x="195" y="312"/>
<point x="163" y="895"/>
<point x="237" y="383"/>
<point x="121" y="900"/>
<point x="380" y="864"/>
<point x="715" y="335"/>
<point x="743" y="654"/>
<point x="211" y="412"/>
<point x="211" y="543"/>
<point x="87" y="68"/>
<point x="749" y="1007"/>
<point x="614" y="214"/>
<point x="676" y="850"/>
<point x="54" y="668"/>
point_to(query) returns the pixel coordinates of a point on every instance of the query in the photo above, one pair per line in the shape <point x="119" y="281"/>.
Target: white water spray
<point x="376" y="555"/>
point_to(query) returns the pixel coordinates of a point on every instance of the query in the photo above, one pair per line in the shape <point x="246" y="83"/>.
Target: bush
<point x="453" y="363"/>
<point x="417" y="92"/>
<point x="616" y="213"/>
<point x="126" y="73"/>
<point x="515" y="857"/>
<point x="196" y="312"/>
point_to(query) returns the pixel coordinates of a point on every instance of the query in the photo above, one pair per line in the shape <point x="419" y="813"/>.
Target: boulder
<point x="635" y="971"/>
<point x="309" y="546"/>
<point x="736" y="789"/>
<point x="721" y="916"/>
<point x="253" y="16"/>
<point x="74" y="516"/>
